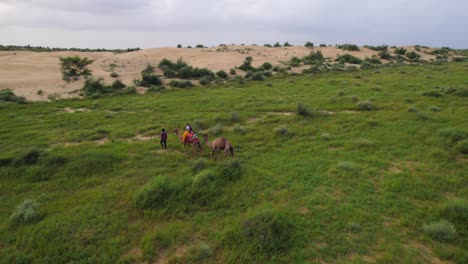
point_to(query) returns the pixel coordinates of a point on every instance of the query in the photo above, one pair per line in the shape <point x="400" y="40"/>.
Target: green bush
<point x="204" y="188"/>
<point x="233" y="71"/>
<point x="452" y="135"/>
<point x="462" y="147"/>
<point x="222" y="74"/>
<point x="309" y="44"/>
<point x="277" y="45"/>
<point x="198" y="165"/>
<point x="462" y="92"/>
<point x="216" y="130"/>
<point x="94" y="86"/>
<point x="114" y="75"/>
<point x="295" y="62"/>
<point x="400" y="51"/>
<point x="231" y="170"/>
<point x="180" y="84"/>
<point x="314" y="58"/>
<point x="456" y="210"/>
<point x="156" y="194"/>
<point x="267" y="231"/>
<point x="377" y="48"/>
<point x="434" y="109"/>
<point x="413" y="109"/>
<point x="258" y="76"/>
<point x="373" y="60"/>
<point x="74" y="66"/>
<point x="26" y="213"/>
<point x="267" y="45"/>
<point x="286" y="44"/>
<point x="235" y="117"/>
<point x="442" y="231"/>
<point x="205" y="80"/>
<point x="247" y="65"/>
<point x="349" y="47"/>
<point x="384" y="55"/>
<point x="266" y="66"/>
<point x="281" y="130"/>
<point x="199" y="46"/>
<point x="302" y="109"/>
<point x="8" y="96"/>
<point x="413" y="56"/>
<point x="200" y="124"/>
<point x="347" y="58"/>
<point x="432" y="94"/>
<point x="118" y="84"/>
<point x="365" y="105"/>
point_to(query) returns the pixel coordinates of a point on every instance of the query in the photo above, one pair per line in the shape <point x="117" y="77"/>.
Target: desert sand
<point x="27" y="73"/>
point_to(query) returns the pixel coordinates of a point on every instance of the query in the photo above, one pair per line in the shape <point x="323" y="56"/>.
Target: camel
<point x="219" y="144"/>
<point x="195" y="141"/>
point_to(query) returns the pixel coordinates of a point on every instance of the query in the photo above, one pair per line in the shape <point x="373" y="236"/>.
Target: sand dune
<point x="28" y="72"/>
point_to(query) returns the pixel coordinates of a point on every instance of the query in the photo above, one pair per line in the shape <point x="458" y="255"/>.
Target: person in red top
<point x="163" y="138"/>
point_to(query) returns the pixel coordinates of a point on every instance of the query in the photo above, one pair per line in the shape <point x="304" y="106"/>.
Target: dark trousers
<point x="163" y="144"/>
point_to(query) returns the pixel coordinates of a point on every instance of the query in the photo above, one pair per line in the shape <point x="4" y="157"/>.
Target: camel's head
<point x="175" y="131"/>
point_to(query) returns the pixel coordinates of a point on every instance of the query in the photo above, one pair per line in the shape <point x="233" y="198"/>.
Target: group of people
<point x="187" y="133"/>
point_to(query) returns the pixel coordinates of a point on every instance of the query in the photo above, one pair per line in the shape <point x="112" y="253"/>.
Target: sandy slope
<point x="28" y="72"/>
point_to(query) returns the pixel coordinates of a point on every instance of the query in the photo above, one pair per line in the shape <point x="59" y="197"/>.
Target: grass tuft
<point x="442" y="231"/>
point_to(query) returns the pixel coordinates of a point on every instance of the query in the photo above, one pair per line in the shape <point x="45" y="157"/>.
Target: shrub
<point x="205" y="80"/>
<point x="277" y="45"/>
<point x="238" y="129"/>
<point x="347" y="58"/>
<point x="118" y="84"/>
<point x="200" y="124"/>
<point x="432" y="94"/>
<point x="216" y="130"/>
<point x="323" y="45"/>
<point x="452" y="135"/>
<point x="373" y="60"/>
<point x="354" y="99"/>
<point x="286" y="44"/>
<point x="456" y="210"/>
<point x="294" y="62"/>
<point x="235" y="117"/>
<point x="179" y="46"/>
<point x="94" y="86"/>
<point x="462" y="147"/>
<point x="442" y="230"/>
<point x="247" y="65"/>
<point x="198" y="165"/>
<point x="8" y="96"/>
<point x="74" y="66"/>
<point x="231" y="170"/>
<point x="413" y="56"/>
<point x="314" y="58"/>
<point x="462" y="92"/>
<point x="309" y="44"/>
<point x="365" y="105"/>
<point x="384" y="55"/>
<point x="400" y="51"/>
<point x="114" y="75"/>
<point x="258" y="76"/>
<point x="302" y="109"/>
<point x="181" y="84"/>
<point x="232" y="71"/>
<point x="155" y="89"/>
<point x="349" y="47"/>
<point x="204" y="188"/>
<point x="222" y="74"/>
<point x="325" y="136"/>
<point x="434" y="109"/>
<point x="377" y="48"/>
<point x="281" y="131"/>
<point x="266" y="66"/>
<point x="413" y="109"/>
<point x="199" y="46"/>
<point x="155" y="194"/>
<point x="26" y="213"/>
<point x="267" y="231"/>
<point x="267" y="45"/>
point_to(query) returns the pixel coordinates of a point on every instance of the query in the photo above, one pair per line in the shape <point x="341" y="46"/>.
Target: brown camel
<point x="219" y="144"/>
<point x="188" y="140"/>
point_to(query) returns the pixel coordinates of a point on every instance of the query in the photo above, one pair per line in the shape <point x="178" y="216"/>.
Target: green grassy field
<point x="341" y="185"/>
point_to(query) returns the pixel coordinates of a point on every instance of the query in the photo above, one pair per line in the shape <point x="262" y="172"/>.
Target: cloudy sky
<point x="159" y="23"/>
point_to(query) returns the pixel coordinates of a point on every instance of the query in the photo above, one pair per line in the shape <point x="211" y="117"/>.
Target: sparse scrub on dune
<point x="258" y="76"/>
<point x="349" y="47"/>
<point x="148" y="78"/>
<point x="8" y="96"/>
<point x="94" y="87"/>
<point x="347" y="58"/>
<point x="221" y="74"/>
<point x="314" y="58"/>
<point x="205" y="80"/>
<point x="277" y="45"/>
<point x="377" y="48"/>
<point x="432" y="93"/>
<point x="384" y="55"/>
<point x="286" y="44"/>
<point x="413" y="56"/>
<point x="400" y="51"/>
<point x="442" y="231"/>
<point x="114" y="75"/>
<point x="294" y="62"/>
<point x="180" y="84"/>
<point x="118" y="84"/>
<point x="247" y="65"/>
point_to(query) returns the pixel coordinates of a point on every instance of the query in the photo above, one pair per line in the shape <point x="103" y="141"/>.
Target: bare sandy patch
<point x="140" y="137"/>
<point x="75" y="110"/>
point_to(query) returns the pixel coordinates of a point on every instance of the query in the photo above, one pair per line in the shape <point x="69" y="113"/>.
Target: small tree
<point x="74" y="66"/>
<point x="179" y="46"/>
<point x="286" y="44"/>
<point x="277" y="45"/>
<point x="309" y="44"/>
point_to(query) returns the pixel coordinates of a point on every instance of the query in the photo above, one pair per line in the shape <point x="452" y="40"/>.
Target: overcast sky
<point x="160" y="23"/>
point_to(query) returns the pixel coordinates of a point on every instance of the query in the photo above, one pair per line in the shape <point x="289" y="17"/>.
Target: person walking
<point x="163" y="139"/>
